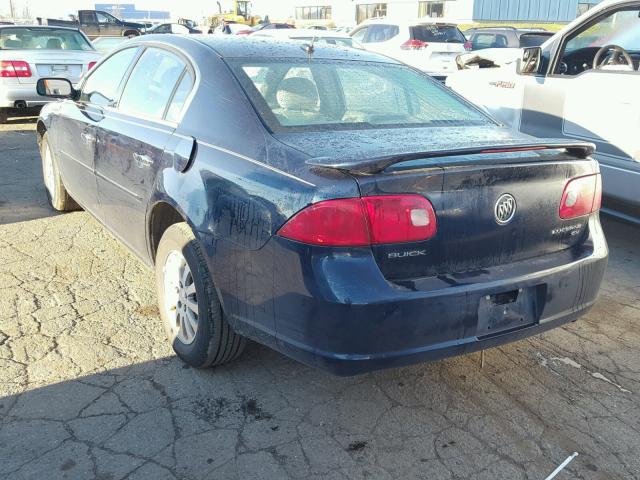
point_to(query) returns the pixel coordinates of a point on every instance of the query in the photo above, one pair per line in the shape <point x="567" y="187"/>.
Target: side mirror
<point x="55" y="88"/>
<point x="530" y="62"/>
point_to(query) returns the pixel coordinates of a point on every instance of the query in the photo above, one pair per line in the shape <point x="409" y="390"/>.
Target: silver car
<point x="28" y="53"/>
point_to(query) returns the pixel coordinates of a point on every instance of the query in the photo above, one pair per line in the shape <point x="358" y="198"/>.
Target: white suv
<point x="427" y="45"/>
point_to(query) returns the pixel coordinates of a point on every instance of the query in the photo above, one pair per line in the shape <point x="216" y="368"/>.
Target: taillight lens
<point x="468" y="46"/>
<point x="91" y="65"/>
<point x="14" y="68"/>
<point x="363" y="221"/>
<point x="581" y="196"/>
<point x="412" y="44"/>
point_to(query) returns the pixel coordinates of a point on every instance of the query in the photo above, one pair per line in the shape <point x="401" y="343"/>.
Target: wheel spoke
<point x="192" y="321"/>
<point x="185" y="274"/>
<point x="192" y="305"/>
<point x="190" y="290"/>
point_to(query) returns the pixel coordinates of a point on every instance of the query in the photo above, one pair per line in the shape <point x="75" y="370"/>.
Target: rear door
<point x="133" y="139"/>
<point x="77" y="127"/>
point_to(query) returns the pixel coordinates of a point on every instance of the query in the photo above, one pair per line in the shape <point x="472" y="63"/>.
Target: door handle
<point x="142" y="160"/>
<point x="88" y="138"/>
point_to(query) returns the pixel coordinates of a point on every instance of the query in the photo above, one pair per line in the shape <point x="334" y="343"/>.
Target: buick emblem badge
<point x="505" y="209"/>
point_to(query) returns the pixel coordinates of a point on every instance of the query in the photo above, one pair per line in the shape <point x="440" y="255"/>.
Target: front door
<point x="593" y="93"/>
<point x="78" y="124"/>
<point x="132" y="141"/>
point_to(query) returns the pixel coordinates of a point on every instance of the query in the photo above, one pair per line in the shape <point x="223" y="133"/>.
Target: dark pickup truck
<point x="96" y="23"/>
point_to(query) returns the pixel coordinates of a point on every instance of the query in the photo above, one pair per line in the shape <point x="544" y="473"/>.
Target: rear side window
<point x="437" y="34"/>
<point x="180" y="97"/>
<point x="151" y="83"/>
<point x="102" y="86"/>
<point x="381" y="33"/>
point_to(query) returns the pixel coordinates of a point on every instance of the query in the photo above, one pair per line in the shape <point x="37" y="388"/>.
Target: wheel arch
<point x="161" y="216"/>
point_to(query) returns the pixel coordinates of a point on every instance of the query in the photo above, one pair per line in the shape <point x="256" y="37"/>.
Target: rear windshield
<point x="320" y="95"/>
<point x="42" y="39"/>
<point x="437" y="34"/>
<point x="533" y="39"/>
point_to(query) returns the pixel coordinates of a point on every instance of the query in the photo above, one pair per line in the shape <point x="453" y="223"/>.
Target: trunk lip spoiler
<point x="581" y="150"/>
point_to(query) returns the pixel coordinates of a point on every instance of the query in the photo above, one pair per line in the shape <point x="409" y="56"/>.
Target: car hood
<point x="362" y="144"/>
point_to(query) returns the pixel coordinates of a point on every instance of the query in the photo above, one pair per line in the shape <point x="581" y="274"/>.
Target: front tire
<point x="188" y="302"/>
<point x="58" y="196"/>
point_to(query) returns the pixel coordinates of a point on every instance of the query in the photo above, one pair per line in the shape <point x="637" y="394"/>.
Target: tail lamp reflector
<point x="373" y="220"/>
<point x="14" y="68"/>
<point x="581" y="196"/>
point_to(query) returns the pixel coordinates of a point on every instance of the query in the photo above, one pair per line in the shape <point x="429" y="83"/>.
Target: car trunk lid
<point x="466" y="184"/>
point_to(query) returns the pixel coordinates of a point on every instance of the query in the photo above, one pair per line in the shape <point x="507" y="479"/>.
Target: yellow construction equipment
<point x="241" y="13"/>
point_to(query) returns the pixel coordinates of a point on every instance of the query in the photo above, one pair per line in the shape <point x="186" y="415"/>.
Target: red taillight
<point x="412" y="44"/>
<point x="91" y="65"/>
<point x="363" y="221"/>
<point x="14" y="68"/>
<point x="581" y="196"/>
<point x="468" y="46"/>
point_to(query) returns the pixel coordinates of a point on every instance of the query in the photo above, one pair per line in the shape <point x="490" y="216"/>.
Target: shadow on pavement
<point x="22" y="192"/>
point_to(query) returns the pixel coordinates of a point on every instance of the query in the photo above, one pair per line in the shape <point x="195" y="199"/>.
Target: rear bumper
<point x="13" y="93"/>
<point x="335" y="311"/>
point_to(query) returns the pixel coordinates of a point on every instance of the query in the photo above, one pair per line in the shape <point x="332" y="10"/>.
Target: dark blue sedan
<point x="336" y="205"/>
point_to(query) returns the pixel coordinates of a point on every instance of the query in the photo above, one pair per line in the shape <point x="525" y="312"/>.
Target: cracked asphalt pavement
<point x="90" y="388"/>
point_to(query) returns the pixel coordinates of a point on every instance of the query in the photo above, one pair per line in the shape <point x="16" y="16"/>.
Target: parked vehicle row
<point x="343" y="208"/>
<point x="97" y="23"/>
<point x="426" y="45"/>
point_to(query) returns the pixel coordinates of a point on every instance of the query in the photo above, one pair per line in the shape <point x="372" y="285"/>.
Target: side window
<point x="151" y="83"/>
<point x="620" y="28"/>
<point x="163" y="29"/>
<point x="180" y="29"/>
<point x="102" y="18"/>
<point x="102" y="86"/>
<point x="359" y="35"/>
<point x="381" y="33"/>
<point x="180" y="97"/>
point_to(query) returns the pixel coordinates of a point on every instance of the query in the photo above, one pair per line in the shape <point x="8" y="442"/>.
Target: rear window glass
<point x="341" y="95"/>
<point x="42" y="39"/>
<point x="437" y="34"/>
<point x="533" y="39"/>
<point x="488" y="40"/>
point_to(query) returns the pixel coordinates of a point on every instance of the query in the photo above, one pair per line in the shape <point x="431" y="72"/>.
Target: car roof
<point x="229" y="46"/>
<point x="42" y="27"/>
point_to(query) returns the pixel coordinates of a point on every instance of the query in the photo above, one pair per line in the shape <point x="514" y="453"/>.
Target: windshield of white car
<point x="33" y="38"/>
<point x="318" y="95"/>
<point x="622" y="28"/>
<point x="437" y="33"/>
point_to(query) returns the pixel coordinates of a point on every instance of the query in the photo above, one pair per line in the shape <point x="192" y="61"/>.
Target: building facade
<point x="128" y="11"/>
<point x="345" y="12"/>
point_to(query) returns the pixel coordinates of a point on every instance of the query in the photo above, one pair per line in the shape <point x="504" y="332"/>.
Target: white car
<point x="28" y="53"/>
<point x="308" y="35"/>
<point x="582" y="83"/>
<point x="428" y="45"/>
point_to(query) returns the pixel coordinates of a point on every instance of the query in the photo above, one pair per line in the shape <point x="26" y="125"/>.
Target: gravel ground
<point x="90" y="389"/>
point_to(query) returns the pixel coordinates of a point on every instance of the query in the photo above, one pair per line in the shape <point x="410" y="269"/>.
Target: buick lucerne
<point x="331" y="203"/>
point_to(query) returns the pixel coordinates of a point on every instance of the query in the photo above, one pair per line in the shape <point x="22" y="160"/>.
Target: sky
<point x="195" y="9"/>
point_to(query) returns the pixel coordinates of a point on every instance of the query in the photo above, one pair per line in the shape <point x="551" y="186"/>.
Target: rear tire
<point x="188" y="302"/>
<point x="58" y="196"/>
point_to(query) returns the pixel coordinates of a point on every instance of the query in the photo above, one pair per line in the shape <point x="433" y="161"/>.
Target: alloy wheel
<point x="180" y="298"/>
